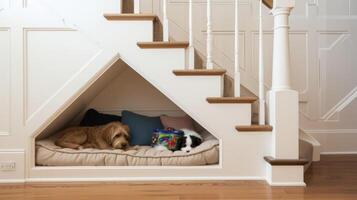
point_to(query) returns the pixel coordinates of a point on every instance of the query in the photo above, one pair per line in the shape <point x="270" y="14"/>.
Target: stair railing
<point x="209" y="63"/>
<point x="191" y="49"/>
<point x="165" y="23"/>
<point x="261" y="68"/>
<point x="236" y="52"/>
<point x="209" y="50"/>
<point x="136" y="6"/>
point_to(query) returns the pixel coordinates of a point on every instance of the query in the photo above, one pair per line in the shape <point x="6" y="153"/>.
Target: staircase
<point x="192" y="71"/>
<point x="198" y="92"/>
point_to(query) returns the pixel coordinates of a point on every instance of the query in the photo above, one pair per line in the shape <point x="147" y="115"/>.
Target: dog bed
<point x="48" y="154"/>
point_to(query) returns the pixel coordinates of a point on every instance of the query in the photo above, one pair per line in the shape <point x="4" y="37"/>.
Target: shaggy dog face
<point x="117" y="136"/>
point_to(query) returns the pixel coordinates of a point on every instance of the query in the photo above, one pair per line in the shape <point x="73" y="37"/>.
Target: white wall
<point x="323" y="45"/>
<point x="127" y="92"/>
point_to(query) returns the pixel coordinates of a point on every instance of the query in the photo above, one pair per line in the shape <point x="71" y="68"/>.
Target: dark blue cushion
<point x="141" y="127"/>
<point x="95" y="118"/>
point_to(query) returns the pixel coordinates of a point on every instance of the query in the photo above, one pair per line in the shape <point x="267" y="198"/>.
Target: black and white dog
<point x="190" y="140"/>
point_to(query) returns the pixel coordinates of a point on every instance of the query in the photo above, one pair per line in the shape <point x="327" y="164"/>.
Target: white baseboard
<point x="341" y="141"/>
<point x="288" y="184"/>
<point x="340" y="153"/>
<point x="146" y="179"/>
<point x="9" y="181"/>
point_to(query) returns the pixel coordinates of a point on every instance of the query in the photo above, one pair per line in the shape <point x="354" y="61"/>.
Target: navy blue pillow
<point x="141" y="127"/>
<point x="95" y="118"/>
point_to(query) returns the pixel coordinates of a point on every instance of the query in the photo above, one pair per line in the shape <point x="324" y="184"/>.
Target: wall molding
<point x="12" y="151"/>
<point x="339" y="153"/>
<point x="336" y="141"/>
<point x="8" y="132"/>
<point x="349" y="98"/>
<point x="330" y="131"/>
<point x="341" y="105"/>
<point x="27" y="116"/>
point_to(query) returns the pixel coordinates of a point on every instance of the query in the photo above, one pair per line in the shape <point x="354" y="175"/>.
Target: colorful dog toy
<point x="170" y="139"/>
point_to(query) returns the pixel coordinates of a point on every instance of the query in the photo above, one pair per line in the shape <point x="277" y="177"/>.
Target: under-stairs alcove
<point x="120" y="89"/>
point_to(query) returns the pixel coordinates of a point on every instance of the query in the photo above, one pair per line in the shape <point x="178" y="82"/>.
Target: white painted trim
<point x="108" y="64"/>
<point x="339" y="153"/>
<point x="133" y="179"/>
<point x="30" y="158"/>
<point x="345" y="144"/>
<point x="40" y="168"/>
<point x="6" y="181"/>
<point x="12" y="150"/>
<point x="315" y="144"/>
<point x="330" y="131"/>
<point x="288" y="184"/>
<point x="308" y="138"/>
<point x="340" y="106"/>
<point x="8" y="132"/>
<point x="27" y="116"/>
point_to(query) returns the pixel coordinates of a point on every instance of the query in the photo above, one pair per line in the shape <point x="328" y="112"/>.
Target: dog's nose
<point x="124" y="145"/>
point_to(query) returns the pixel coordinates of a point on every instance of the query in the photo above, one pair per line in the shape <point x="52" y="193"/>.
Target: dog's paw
<point x="135" y="148"/>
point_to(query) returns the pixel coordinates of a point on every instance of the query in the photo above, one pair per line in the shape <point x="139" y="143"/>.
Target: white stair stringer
<point x="241" y="154"/>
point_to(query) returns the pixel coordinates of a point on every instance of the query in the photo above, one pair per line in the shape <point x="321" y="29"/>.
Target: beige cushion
<point x="48" y="154"/>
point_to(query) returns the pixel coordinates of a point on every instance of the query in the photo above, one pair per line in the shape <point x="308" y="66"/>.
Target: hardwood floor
<point x="335" y="177"/>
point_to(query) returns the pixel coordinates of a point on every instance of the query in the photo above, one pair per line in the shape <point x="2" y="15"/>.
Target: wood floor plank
<point x="334" y="178"/>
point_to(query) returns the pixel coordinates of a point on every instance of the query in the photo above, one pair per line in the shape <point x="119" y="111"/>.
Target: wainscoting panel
<point x="5" y="81"/>
<point x="59" y="54"/>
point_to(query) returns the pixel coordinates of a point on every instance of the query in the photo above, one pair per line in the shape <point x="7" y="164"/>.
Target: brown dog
<point x="110" y="136"/>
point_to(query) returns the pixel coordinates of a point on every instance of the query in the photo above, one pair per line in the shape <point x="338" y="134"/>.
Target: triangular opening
<point x="119" y="89"/>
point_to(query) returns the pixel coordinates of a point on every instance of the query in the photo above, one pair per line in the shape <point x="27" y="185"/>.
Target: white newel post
<point x="209" y="64"/>
<point x="165" y="23"/>
<point x="283" y="103"/>
<point x="137" y="6"/>
<point x="191" y="49"/>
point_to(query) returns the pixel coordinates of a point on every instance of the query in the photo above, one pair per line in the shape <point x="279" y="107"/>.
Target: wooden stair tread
<point x="158" y="45"/>
<point x="221" y="100"/>
<point x="268" y="3"/>
<point x="130" y="17"/>
<point x="200" y="72"/>
<point x="255" y="128"/>
<point x="285" y="162"/>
